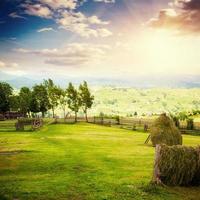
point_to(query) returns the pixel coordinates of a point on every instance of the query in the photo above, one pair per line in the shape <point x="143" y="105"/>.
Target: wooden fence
<point x="129" y="123"/>
<point x="22" y="124"/>
<point x="132" y="123"/>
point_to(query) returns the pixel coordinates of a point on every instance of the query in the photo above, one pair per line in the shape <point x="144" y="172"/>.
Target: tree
<point x="86" y="98"/>
<point x="5" y="94"/>
<point x="34" y="105"/>
<point x="135" y="113"/>
<point x="74" y="101"/>
<point x="25" y="100"/>
<point x="54" y="94"/>
<point x="14" y="103"/>
<point x="63" y="101"/>
<point x="39" y="100"/>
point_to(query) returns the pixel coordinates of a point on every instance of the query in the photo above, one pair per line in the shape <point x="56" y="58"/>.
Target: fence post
<point x="102" y="121"/>
<point x="19" y="126"/>
<point x="145" y="127"/>
<point x="134" y="127"/>
<point x="120" y="123"/>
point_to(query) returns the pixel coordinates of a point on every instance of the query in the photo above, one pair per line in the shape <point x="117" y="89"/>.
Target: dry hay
<point x="164" y="131"/>
<point x="177" y="165"/>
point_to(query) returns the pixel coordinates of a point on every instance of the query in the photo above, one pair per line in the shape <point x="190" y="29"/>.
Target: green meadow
<point x="82" y="162"/>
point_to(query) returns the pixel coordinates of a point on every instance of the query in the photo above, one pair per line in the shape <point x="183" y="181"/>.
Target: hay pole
<point x="156" y="172"/>
<point x="148" y="138"/>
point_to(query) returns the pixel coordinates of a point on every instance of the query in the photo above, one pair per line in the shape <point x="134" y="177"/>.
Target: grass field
<point x="82" y="162"/>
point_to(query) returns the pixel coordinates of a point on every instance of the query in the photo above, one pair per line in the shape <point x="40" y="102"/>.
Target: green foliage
<point x="34" y="105"/>
<point x="190" y="124"/>
<point x="25" y="100"/>
<point x="178" y="165"/>
<point x="25" y="120"/>
<point x="155" y="100"/>
<point x="63" y="101"/>
<point x="135" y="113"/>
<point x="40" y="101"/>
<point x="183" y="116"/>
<point x="86" y="97"/>
<point x="164" y="131"/>
<point x="5" y="94"/>
<point x="175" y="119"/>
<point x="14" y="103"/>
<point x="54" y="93"/>
<point x="74" y="100"/>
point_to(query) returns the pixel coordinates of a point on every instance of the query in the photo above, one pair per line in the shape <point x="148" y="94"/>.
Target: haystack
<point x="164" y="131"/>
<point x="177" y="165"/>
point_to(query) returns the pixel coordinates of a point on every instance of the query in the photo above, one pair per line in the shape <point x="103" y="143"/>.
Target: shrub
<point x="164" y="131"/>
<point x="177" y="165"/>
<point x="190" y="124"/>
<point x="176" y="120"/>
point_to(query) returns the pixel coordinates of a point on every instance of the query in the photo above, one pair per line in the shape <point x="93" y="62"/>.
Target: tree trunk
<point x="64" y="115"/>
<point x="43" y="114"/>
<point x="53" y="112"/>
<point x="75" y="116"/>
<point x="86" y="117"/>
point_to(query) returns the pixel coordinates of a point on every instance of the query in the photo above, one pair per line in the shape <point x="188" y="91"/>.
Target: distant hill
<point x="172" y="81"/>
<point x="127" y="101"/>
<point x="127" y="97"/>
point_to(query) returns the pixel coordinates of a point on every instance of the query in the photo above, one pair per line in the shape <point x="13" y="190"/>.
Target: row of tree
<point x="45" y="96"/>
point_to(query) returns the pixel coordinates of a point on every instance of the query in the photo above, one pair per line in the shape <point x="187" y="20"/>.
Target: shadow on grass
<point x="155" y="190"/>
<point x="14" y="131"/>
<point x="6" y="153"/>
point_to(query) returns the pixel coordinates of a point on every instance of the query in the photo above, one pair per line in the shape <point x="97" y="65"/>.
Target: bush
<point x="177" y="165"/>
<point x="190" y="124"/>
<point x="176" y="120"/>
<point x="164" y="131"/>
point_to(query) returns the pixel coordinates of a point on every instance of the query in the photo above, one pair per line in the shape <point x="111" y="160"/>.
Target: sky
<point x="99" y="38"/>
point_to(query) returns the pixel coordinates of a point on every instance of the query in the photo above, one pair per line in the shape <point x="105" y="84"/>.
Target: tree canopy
<point x="5" y="97"/>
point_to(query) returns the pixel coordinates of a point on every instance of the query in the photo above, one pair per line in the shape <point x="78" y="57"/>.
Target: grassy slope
<point x="82" y="162"/>
<point x="123" y="101"/>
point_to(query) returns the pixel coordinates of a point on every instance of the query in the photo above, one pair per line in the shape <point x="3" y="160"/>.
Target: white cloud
<point x="14" y="65"/>
<point x="8" y="65"/>
<point x="102" y="32"/>
<point x="2" y="64"/>
<point x="37" y="10"/>
<point x="74" y="54"/>
<point x="105" y="1"/>
<point x="65" y="14"/>
<point x="183" y="17"/>
<point x="95" y="20"/>
<point x="11" y="68"/>
<point x="78" y="23"/>
<point x="45" y="29"/>
<point x="56" y="4"/>
<point x="15" y="15"/>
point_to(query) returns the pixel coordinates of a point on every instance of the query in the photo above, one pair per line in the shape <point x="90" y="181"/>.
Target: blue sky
<point x="99" y="38"/>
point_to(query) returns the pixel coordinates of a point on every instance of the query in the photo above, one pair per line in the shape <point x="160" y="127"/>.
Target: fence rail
<point x="22" y="124"/>
<point x="122" y="122"/>
<point x="128" y="123"/>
